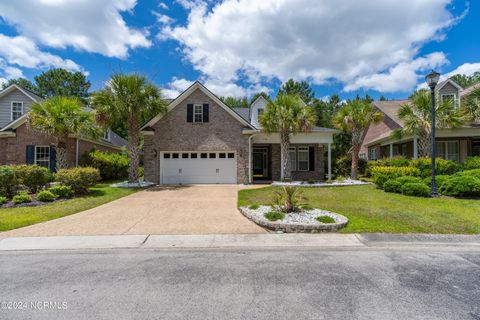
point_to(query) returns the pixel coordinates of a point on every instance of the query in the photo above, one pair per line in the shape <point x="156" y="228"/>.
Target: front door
<point x="260" y="163"/>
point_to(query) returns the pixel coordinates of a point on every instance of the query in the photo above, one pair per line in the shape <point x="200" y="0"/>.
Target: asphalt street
<point x="234" y="283"/>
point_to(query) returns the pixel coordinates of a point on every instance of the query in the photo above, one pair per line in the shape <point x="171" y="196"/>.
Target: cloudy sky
<point x="239" y="47"/>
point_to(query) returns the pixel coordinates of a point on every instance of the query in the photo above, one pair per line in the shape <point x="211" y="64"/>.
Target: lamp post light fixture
<point x="432" y="80"/>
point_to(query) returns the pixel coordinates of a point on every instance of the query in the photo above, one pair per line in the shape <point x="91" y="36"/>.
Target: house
<point x="454" y="144"/>
<point x="201" y="140"/>
<point x="20" y="144"/>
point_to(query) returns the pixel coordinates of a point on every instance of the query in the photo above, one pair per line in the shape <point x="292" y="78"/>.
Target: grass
<point x="13" y="218"/>
<point x="274" y="215"/>
<point x="371" y="210"/>
<point x="325" y="219"/>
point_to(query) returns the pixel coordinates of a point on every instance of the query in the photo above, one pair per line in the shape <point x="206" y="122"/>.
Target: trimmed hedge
<point x="461" y="185"/>
<point x="32" y="176"/>
<point x="471" y="173"/>
<point x="343" y="166"/>
<point x="416" y="189"/>
<point x="79" y="179"/>
<point x="443" y="167"/>
<point x="382" y="174"/>
<point x="61" y="191"/>
<point x="472" y="163"/>
<point x="439" y="180"/>
<point x="8" y="181"/>
<point x="112" y="166"/>
<point x="397" y="161"/>
<point x="395" y="185"/>
<point x="45" y="196"/>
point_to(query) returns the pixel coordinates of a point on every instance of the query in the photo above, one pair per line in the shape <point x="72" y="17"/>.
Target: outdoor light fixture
<point x="432" y="80"/>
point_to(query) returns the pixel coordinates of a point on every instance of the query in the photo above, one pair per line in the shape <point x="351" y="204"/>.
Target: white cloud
<point x="354" y="42"/>
<point x="466" y="69"/>
<point x="163" y="18"/>
<point x="23" y="52"/>
<point x="90" y="25"/>
<point x="176" y="87"/>
<point x="163" y="5"/>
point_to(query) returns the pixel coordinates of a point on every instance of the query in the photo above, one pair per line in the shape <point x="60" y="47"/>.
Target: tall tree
<point x="354" y="118"/>
<point x="287" y="116"/>
<point x="60" y="82"/>
<point x="466" y="81"/>
<point x="471" y="105"/>
<point x="258" y="94"/>
<point x="417" y="120"/>
<point x="302" y="89"/>
<point x="22" y="82"/>
<point x="61" y="117"/>
<point x="233" y="102"/>
<point x="130" y="99"/>
<point x="326" y="109"/>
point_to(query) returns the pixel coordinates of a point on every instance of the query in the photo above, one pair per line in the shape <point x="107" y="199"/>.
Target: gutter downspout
<point x="250" y="157"/>
<point x="76" y="153"/>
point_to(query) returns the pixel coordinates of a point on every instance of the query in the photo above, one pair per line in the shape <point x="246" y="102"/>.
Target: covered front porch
<point x="309" y="154"/>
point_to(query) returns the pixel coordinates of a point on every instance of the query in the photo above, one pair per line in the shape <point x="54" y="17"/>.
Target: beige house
<point x="454" y="144"/>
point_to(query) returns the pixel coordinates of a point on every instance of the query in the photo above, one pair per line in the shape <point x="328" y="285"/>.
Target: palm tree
<point x="287" y="115"/>
<point x="471" y="105"/>
<point x="416" y="117"/>
<point x="61" y="117"/>
<point x="354" y="118"/>
<point x="133" y="100"/>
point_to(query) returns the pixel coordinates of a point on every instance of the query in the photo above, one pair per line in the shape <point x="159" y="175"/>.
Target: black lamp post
<point x="432" y="80"/>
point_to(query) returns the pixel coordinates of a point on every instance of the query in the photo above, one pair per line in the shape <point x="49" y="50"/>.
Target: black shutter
<point x="311" y="158"/>
<point x="30" y="154"/>
<point x="53" y="159"/>
<point x="189" y="112"/>
<point x="205" y="112"/>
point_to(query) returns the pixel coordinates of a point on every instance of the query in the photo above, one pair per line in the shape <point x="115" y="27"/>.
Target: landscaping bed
<point x="334" y="183"/>
<point x="298" y="222"/>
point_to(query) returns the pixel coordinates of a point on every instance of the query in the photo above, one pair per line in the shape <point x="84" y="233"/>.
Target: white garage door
<point x="188" y="167"/>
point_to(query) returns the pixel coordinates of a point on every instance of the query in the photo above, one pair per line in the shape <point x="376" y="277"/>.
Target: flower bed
<point x="335" y="183"/>
<point x="295" y="222"/>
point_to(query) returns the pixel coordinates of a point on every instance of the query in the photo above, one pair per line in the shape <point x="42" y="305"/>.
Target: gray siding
<point x="5" y="105"/>
<point x="449" y="88"/>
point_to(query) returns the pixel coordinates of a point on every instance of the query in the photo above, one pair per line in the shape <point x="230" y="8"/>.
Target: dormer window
<point x="198" y="113"/>
<point x="449" y="97"/>
<point x="106" y="135"/>
<point x="260" y="111"/>
<point x="16" y="110"/>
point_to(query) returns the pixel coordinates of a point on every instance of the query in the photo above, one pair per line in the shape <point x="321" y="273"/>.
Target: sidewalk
<point x="323" y="240"/>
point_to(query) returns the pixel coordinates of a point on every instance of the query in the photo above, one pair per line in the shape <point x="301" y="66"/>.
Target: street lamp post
<point x="432" y="80"/>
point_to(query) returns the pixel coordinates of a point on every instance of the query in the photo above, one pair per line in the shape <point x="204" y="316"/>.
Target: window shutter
<point x="311" y="158"/>
<point x="205" y="112"/>
<point x="53" y="159"/>
<point x="30" y="154"/>
<point x="189" y="112"/>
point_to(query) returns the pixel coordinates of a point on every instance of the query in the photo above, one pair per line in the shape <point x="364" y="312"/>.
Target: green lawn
<point x="371" y="210"/>
<point x="13" y="218"/>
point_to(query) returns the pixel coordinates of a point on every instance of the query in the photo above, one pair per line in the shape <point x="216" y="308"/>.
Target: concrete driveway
<point x="199" y="209"/>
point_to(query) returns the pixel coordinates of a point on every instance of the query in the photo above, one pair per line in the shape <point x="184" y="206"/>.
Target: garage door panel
<point x="198" y="170"/>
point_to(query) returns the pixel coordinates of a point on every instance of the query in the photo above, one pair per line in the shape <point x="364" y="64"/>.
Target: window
<point x="372" y="153"/>
<point x="362" y="156"/>
<point x="175" y="155"/>
<point x="198" y="113"/>
<point x="42" y="156"/>
<point x="222" y="155"/>
<point x="106" y="135"/>
<point x="260" y="111"/>
<point x="166" y="156"/>
<point x="184" y="155"/>
<point x="203" y="155"/>
<point x="212" y="155"/>
<point x="448" y="150"/>
<point x="449" y="97"/>
<point x="303" y="158"/>
<point x="231" y="155"/>
<point x="17" y="110"/>
<point x="293" y="158"/>
<point x="193" y="156"/>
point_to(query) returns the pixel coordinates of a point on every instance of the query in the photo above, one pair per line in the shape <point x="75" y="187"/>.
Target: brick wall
<point x="376" y="130"/>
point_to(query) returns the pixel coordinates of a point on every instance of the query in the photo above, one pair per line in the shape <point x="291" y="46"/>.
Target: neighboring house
<point x="20" y="144"/>
<point x="453" y="144"/>
<point x="202" y="140"/>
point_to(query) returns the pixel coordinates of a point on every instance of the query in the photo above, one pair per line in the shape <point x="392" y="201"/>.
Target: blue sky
<point x="244" y="46"/>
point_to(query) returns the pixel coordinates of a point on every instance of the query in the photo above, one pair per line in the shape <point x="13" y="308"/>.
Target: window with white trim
<point x="17" y="110"/>
<point x="449" y="97"/>
<point x="293" y="158"/>
<point x="372" y="153"/>
<point x="448" y="150"/>
<point x="198" y="113"/>
<point x="303" y="158"/>
<point x="42" y="156"/>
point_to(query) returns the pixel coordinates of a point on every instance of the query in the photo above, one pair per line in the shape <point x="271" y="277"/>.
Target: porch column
<point x="391" y="150"/>
<point x="415" y="147"/>
<point x="329" y="161"/>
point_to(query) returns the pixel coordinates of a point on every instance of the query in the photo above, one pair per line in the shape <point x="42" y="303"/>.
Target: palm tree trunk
<point x="61" y="156"/>
<point x="286" y="172"/>
<point x="424" y="144"/>
<point x="356" y="145"/>
<point x="133" y="148"/>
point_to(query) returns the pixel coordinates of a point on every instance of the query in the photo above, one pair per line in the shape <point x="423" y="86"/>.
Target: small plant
<point x="22" y="197"/>
<point x="45" y="196"/>
<point x="416" y="189"/>
<point x="8" y="181"/>
<point x="79" y="179"/>
<point x="325" y="219"/>
<point x="32" y="176"/>
<point x="3" y="200"/>
<point x="288" y="199"/>
<point x="61" y="191"/>
<point x="254" y="207"/>
<point x="274" y="215"/>
<point x="381" y="175"/>
<point x="472" y="163"/>
<point x="392" y="185"/>
<point x="112" y="166"/>
<point x="307" y="207"/>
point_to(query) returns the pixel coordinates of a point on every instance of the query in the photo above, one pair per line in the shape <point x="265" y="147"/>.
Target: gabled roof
<point x="469" y="90"/>
<point x="197" y="85"/>
<point x="34" y="97"/>
<point x="443" y="83"/>
<point x="390" y="108"/>
<point x="243" y="112"/>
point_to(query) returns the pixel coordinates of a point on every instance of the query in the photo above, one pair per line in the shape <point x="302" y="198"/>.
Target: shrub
<point x="79" y="179"/>
<point x="254" y="207"/>
<point x="417" y="189"/>
<point x="288" y="199"/>
<point x="8" y="181"/>
<point x="472" y="163"/>
<point x="32" y="176"/>
<point x="22" y="197"/>
<point x="112" y="166"/>
<point x="61" y="191"/>
<point x="461" y="185"/>
<point x="439" y="180"/>
<point x="45" y="196"/>
<point x="3" y="200"/>
<point x="392" y="185"/>
<point x="343" y="166"/>
<point x="471" y="173"/>
<point x="443" y="167"/>
<point x="397" y="161"/>
<point x="325" y="219"/>
<point x="382" y="174"/>
<point x="274" y="215"/>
